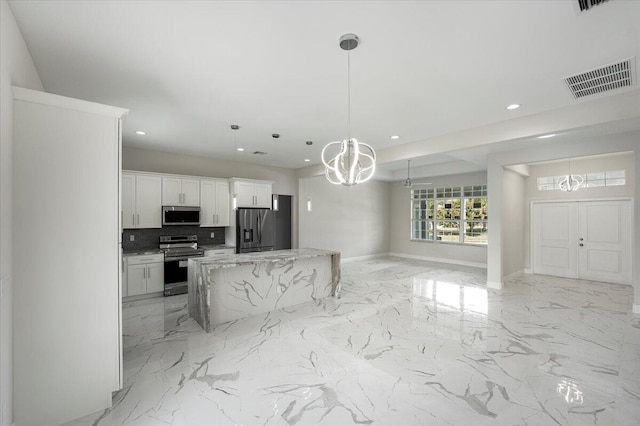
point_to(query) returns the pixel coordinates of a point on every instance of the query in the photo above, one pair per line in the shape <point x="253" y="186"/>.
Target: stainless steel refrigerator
<point x="255" y="230"/>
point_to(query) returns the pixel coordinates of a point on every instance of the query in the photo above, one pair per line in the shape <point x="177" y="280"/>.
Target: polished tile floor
<point x="408" y="343"/>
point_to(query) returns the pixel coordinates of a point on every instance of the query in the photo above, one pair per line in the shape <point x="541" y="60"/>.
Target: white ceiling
<point x="188" y="70"/>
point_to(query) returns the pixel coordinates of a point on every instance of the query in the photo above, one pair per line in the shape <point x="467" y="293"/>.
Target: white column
<point x="494" y="201"/>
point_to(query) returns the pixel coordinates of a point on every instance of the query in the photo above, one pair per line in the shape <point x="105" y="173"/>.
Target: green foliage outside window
<point x="454" y="214"/>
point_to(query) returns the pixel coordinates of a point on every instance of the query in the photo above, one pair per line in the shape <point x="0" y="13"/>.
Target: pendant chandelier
<point x="354" y="162"/>
<point x="570" y="182"/>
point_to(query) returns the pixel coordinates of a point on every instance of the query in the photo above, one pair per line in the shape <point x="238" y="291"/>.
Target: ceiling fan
<point x="408" y="182"/>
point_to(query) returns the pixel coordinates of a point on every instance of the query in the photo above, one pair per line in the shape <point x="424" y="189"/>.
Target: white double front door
<point x="589" y="240"/>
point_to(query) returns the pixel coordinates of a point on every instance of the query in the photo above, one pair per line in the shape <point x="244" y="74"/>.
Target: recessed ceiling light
<point x="546" y="136"/>
<point x="240" y="149"/>
<point x="307" y="160"/>
<point x="140" y="132"/>
<point x="395" y="137"/>
<point x="513" y="106"/>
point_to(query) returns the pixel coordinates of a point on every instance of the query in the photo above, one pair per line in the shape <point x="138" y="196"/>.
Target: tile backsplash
<point x="146" y="239"/>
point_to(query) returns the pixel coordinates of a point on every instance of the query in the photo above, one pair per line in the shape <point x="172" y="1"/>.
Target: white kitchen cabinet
<point x="214" y="202"/>
<point x="145" y="274"/>
<point x="218" y="252"/>
<point x="141" y="201"/>
<point x="252" y="193"/>
<point x="180" y="192"/>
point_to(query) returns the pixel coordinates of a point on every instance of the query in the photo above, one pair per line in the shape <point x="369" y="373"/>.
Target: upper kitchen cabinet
<point x="180" y="192"/>
<point x="214" y="202"/>
<point x="252" y="193"/>
<point x="141" y="201"/>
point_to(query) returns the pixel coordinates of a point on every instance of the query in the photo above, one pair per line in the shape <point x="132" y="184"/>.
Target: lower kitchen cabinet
<point x="145" y="274"/>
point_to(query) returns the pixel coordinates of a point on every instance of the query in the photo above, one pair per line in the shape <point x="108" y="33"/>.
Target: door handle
<point x="138" y="219"/>
<point x="148" y="272"/>
<point x="144" y="273"/>
<point x="133" y="218"/>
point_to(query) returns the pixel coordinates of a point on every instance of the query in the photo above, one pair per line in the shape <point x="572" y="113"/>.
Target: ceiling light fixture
<point x="512" y="107"/>
<point x="140" y="132"/>
<point x="546" y="136"/>
<point x="308" y="159"/>
<point x="570" y="182"/>
<point x="355" y="162"/>
<point x="240" y="149"/>
<point x="395" y="137"/>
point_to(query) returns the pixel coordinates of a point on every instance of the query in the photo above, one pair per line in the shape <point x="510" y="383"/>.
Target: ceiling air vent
<point x="259" y="153"/>
<point x="586" y="4"/>
<point x="603" y="79"/>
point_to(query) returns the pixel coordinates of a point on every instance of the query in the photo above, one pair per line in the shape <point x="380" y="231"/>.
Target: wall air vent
<point x="609" y="77"/>
<point x="259" y="153"/>
<point x="586" y="4"/>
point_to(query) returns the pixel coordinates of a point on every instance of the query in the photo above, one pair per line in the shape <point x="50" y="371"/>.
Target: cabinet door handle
<point x="133" y="218"/>
<point x="148" y="272"/>
<point x="144" y="272"/>
<point x="138" y="218"/>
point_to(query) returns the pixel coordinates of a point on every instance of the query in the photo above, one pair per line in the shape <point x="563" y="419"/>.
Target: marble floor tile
<point x="407" y="343"/>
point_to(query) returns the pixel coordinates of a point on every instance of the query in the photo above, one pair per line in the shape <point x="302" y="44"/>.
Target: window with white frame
<point x="455" y="214"/>
<point x="590" y="180"/>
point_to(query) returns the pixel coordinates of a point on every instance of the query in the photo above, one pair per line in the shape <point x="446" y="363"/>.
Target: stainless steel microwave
<point x="179" y="215"/>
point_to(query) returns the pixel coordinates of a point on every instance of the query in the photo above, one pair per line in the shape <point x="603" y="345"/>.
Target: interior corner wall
<point x="352" y="220"/>
<point x="400" y="225"/>
<point x="513" y="215"/>
<point x="16" y="69"/>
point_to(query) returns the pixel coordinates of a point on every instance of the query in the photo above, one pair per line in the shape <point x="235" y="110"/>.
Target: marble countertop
<point x="216" y="246"/>
<point x="231" y="260"/>
<point x="141" y="252"/>
<point x="146" y="252"/>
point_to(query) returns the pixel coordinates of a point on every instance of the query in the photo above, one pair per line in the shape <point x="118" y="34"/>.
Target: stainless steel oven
<point x="177" y="252"/>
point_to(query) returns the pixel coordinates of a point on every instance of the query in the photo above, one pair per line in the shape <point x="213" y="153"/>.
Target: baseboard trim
<point x="440" y="260"/>
<point x="636" y="308"/>
<point x="528" y="271"/>
<point x="494" y="285"/>
<point x="367" y="257"/>
<point x="513" y="275"/>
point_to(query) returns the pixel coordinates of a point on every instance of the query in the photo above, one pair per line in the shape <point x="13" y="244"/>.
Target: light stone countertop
<point x="232" y="260"/>
<point x="141" y="252"/>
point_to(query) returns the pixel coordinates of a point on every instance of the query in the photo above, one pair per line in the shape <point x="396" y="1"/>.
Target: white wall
<point x="513" y="214"/>
<point x="619" y="161"/>
<point x="16" y="68"/>
<point x="352" y="220"/>
<point x="147" y="160"/>
<point x="625" y="142"/>
<point x="400" y="225"/>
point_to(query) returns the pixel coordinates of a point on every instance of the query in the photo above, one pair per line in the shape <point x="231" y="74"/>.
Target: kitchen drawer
<point x="218" y="252"/>
<point x="149" y="258"/>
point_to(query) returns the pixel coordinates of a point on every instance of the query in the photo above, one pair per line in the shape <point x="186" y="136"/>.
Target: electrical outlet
<point x="132" y="237"/>
<point x="213" y="235"/>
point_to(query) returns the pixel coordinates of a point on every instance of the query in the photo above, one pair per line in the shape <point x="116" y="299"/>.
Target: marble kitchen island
<point x="229" y="287"/>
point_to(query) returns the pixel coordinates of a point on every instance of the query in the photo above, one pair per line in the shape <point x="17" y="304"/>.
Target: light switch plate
<point x="132" y="237"/>
<point x="213" y="235"/>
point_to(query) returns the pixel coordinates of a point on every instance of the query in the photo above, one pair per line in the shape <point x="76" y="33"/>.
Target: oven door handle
<point x="174" y="259"/>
